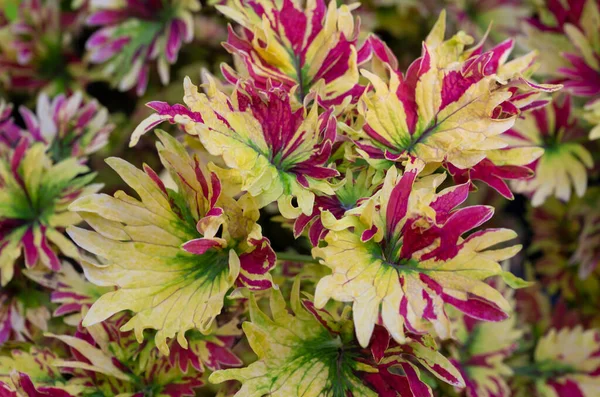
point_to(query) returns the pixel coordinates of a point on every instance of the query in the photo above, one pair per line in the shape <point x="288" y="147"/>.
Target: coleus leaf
<point x="567" y="32"/>
<point x="150" y="248"/>
<point x="70" y="290"/>
<point x="398" y="375"/>
<point x="563" y="167"/>
<point x="303" y="46"/>
<point x="33" y="374"/>
<point x="450" y="108"/>
<point x="70" y="126"/>
<point x="109" y="362"/>
<point x="134" y="36"/>
<point x="275" y="152"/>
<point x="482" y="351"/>
<point x="358" y="185"/>
<point x="403" y="257"/>
<point x="34" y="196"/>
<point x="297" y="355"/>
<point x="570" y="359"/>
<point x="11" y="9"/>
<point x="212" y="350"/>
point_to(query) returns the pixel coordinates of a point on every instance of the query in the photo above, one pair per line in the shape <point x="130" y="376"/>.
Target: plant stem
<point x="293" y="257"/>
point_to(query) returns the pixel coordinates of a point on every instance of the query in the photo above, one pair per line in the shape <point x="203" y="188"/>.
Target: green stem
<point x="293" y="257"/>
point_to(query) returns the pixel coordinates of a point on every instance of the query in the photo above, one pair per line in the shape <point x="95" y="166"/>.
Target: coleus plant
<point x="172" y="287"/>
<point x="135" y="34"/>
<point x="37" y="50"/>
<point x="34" y="206"/>
<point x="190" y="247"/>
<point x="300" y="46"/>
<point x="313" y="352"/>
